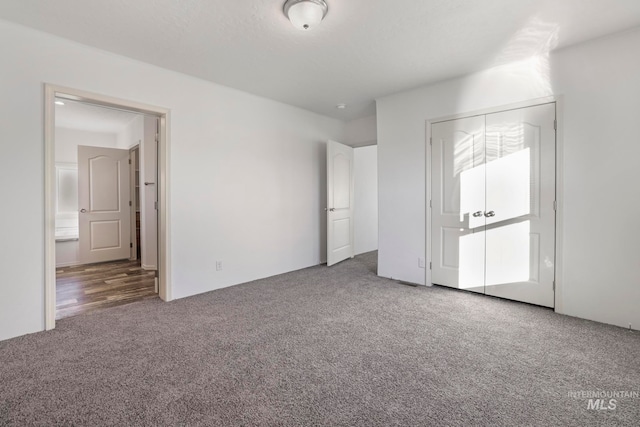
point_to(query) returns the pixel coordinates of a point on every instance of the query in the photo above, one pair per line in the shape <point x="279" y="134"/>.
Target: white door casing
<point x="340" y="200"/>
<point x="497" y="218"/>
<point x="134" y="187"/>
<point x="103" y="202"/>
<point x="149" y="194"/>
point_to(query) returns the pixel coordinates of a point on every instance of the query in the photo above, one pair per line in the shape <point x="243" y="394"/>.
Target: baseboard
<point x="68" y="264"/>
<point x="149" y="267"/>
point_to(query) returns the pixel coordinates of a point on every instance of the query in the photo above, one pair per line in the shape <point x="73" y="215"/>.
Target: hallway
<point x="88" y="287"/>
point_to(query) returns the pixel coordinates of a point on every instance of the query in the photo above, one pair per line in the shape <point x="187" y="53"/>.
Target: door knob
<point x="477" y="214"/>
<point x="490" y="213"/>
<point x="332" y="209"/>
<point x="83" y="210"/>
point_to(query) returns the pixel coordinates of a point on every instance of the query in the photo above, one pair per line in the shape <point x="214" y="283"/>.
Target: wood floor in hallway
<point x="89" y="287"/>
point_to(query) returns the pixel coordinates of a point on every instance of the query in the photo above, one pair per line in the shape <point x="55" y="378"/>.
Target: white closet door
<point x="520" y="196"/>
<point x="457" y="194"/>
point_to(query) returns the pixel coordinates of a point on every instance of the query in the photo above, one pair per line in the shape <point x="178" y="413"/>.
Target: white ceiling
<point x="92" y="118"/>
<point x="364" y="49"/>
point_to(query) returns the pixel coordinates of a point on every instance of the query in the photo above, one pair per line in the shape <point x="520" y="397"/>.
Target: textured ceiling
<point x="364" y="48"/>
<point x="93" y="118"/>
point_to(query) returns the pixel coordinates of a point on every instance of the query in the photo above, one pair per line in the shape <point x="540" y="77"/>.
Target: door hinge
<point x="554" y="285"/>
<point x="555" y="205"/>
<point x="129" y="161"/>
<point x="430" y="140"/>
<point x="155" y="205"/>
<point x="430" y="204"/>
<point x="157" y="137"/>
<point x="429" y="265"/>
<point x="129" y="202"/>
<point x="555" y="124"/>
<point x="131" y="245"/>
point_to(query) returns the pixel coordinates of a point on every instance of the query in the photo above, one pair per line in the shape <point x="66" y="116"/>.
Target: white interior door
<point x="458" y="203"/>
<point x="520" y="197"/>
<point x="340" y="199"/>
<point x="103" y="201"/>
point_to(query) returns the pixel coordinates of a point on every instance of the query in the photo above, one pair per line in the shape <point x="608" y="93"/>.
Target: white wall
<point x="247" y="174"/>
<point x="131" y="135"/>
<point x="67" y="253"/>
<point x="67" y="141"/>
<point x="365" y="160"/>
<point x="600" y="203"/>
<point x="361" y="132"/>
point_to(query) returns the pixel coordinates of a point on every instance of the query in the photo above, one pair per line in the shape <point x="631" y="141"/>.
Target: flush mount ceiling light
<point x="305" y="14"/>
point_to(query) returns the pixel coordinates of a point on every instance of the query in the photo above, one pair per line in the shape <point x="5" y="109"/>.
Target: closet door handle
<point x="490" y="213"/>
<point x="477" y="214"/>
<point x="83" y="210"/>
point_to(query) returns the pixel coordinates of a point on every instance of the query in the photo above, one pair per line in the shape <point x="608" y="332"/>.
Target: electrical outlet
<point x="421" y="262"/>
<point x="218" y="265"/>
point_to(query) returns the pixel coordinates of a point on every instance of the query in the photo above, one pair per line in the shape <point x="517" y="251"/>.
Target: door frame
<point x="51" y="92"/>
<point x="135" y="158"/>
<point x="559" y="101"/>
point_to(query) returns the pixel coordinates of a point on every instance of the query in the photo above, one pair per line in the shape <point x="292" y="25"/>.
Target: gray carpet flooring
<point x="332" y="346"/>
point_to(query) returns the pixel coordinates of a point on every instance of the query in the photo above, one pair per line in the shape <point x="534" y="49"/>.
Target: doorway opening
<point x="106" y="202"/>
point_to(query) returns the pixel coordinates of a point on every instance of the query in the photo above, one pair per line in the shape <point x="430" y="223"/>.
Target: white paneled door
<point x="458" y="186"/>
<point x="493" y="204"/>
<point x="103" y="201"/>
<point x="340" y="200"/>
<point x="521" y="192"/>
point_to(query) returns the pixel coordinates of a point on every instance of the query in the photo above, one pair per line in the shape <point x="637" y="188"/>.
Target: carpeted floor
<point x="322" y="346"/>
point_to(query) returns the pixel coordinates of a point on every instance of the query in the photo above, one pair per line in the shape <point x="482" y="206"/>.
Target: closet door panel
<point x="520" y="195"/>
<point x="458" y="193"/>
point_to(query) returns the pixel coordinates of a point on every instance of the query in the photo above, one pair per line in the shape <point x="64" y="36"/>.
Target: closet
<point x="493" y="203"/>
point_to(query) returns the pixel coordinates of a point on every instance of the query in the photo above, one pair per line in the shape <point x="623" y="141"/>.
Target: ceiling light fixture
<point x="305" y="14"/>
<point x="341" y="106"/>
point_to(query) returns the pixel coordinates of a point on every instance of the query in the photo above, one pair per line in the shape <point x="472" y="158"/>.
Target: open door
<point x="103" y="200"/>
<point x="339" y="202"/>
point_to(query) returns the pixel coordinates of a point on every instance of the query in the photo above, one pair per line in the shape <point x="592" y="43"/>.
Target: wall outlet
<point x="218" y="265"/>
<point x="421" y="262"/>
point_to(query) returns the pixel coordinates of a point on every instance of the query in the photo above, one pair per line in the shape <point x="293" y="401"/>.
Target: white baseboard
<point x="68" y="264"/>
<point x="149" y="267"/>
